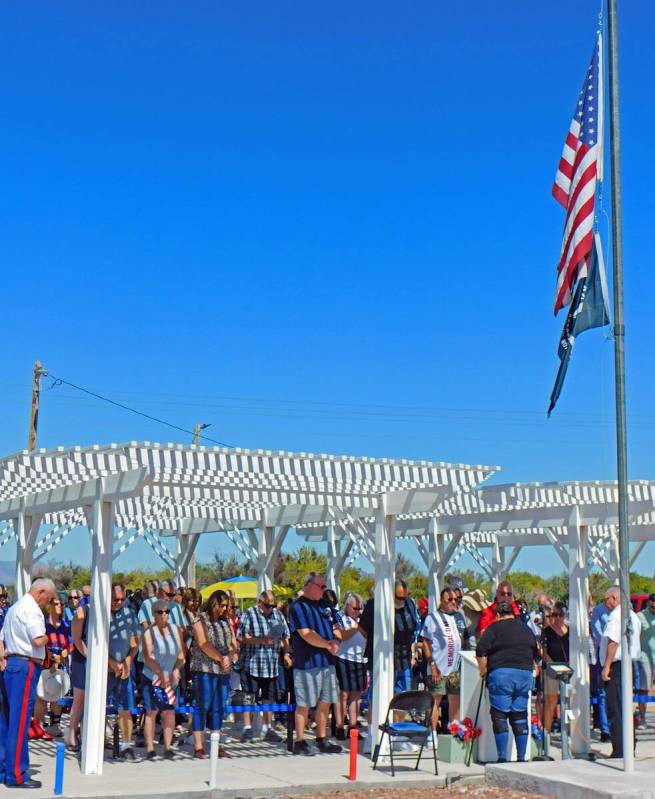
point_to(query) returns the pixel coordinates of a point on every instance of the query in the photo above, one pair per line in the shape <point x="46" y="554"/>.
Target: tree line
<point x="291" y="568"/>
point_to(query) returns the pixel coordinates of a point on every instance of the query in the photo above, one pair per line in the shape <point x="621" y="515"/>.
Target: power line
<point x="59" y="381"/>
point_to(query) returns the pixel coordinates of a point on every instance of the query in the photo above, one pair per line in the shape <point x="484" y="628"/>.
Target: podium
<point x="470" y="693"/>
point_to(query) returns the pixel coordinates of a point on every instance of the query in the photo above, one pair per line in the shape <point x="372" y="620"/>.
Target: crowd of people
<point x="179" y="659"/>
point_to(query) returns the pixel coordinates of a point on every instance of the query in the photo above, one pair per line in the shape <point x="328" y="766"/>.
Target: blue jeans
<point x="598" y="691"/>
<point x="509" y="690"/>
<point x="212" y="693"/>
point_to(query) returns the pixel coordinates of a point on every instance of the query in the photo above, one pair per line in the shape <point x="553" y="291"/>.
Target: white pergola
<point x="578" y="519"/>
<point x="120" y="492"/>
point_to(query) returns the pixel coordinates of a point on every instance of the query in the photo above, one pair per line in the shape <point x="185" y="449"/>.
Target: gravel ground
<point x="465" y="792"/>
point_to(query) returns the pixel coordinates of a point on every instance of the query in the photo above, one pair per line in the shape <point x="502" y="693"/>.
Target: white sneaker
<point x="404" y="746"/>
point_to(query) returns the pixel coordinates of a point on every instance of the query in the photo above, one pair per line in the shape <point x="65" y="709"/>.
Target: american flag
<point x="575" y="183"/>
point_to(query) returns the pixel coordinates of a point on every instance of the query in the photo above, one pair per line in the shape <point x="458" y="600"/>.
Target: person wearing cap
<point x="22" y="651"/>
<point x="473" y="603"/>
<point x="507" y="658"/>
<point x="610" y="658"/>
<point x="646" y="663"/>
<point x="504" y="594"/>
<point x="163" y="657"/>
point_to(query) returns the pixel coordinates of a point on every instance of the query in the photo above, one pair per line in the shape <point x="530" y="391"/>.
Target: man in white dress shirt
<point x="610" y="657"/>
<point x="22" y="650"/>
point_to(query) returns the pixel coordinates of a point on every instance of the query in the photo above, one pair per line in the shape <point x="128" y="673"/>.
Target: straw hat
<point x="53" y="686"/>
<point x="476" y="600"/>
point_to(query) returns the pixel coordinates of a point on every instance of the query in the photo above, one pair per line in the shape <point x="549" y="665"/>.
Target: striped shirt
<point x="257" y="659"/>
<point x="307" y="615"/>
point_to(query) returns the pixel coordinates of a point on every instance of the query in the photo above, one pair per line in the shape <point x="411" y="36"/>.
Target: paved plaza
<point x="254" y="770"/>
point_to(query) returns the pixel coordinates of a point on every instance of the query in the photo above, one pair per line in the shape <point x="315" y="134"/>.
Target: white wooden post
<point x="579" y="635"/>
<point x="185" y="562"/>
<point x="383" y="669"/>
<point x="264" y="546"/>
<point x="101" y="524"/>
<point x="26" y="529"/>
<point x="498" y="565"/>
<point x="333" y="553"/>
<point x="435" y="553"/>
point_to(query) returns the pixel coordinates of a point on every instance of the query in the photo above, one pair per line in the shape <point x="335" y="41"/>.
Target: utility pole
<point x="196" y="432"/>
<point x="619" y="378"/>
<point x="34" y="416"/>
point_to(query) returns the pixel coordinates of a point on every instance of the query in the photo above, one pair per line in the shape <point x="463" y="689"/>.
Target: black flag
<point x="589" y="308"/>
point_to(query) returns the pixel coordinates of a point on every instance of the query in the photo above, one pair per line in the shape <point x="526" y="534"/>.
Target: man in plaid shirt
<point x="263" y="633"/>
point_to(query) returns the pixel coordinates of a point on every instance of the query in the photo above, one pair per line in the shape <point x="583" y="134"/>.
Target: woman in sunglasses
<point x="351" y="670"/>
<point x="211" y="663"/>
<point x="555" y="642"/>
<point x="57" y="650"/>
<point x="163" y="656"/>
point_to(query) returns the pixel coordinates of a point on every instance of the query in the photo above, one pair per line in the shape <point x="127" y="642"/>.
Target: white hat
<point x="53" y="686"/>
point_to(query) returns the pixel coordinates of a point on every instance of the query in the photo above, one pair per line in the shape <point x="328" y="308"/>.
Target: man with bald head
<point x="610" y="658"/>
<point x="22" y="651"/>
<point x="264" y="633"/>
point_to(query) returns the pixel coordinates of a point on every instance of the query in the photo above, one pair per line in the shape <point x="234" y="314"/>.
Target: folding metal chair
<point x="418" y="706"/>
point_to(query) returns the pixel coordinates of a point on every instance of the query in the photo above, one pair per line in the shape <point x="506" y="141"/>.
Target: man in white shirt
<point x="441" y="646"/>
<point x="22" y="650"/>
<point x="610" y="657"/>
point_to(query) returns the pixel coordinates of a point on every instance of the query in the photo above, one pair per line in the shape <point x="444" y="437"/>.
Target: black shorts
<point x="265" y="689"/>
<point x="351" y="675"/>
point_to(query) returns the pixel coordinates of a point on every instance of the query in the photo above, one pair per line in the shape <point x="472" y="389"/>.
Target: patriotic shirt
<point x="258" y="660"/>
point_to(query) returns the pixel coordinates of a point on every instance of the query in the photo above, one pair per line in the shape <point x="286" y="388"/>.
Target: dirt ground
<point x="464" y="792"/>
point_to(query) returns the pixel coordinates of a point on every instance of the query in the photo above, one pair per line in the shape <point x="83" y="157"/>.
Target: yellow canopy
<point x="242" y="589"/>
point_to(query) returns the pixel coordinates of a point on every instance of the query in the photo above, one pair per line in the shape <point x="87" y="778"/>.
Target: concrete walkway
<point x="582" y="779"/>
<point x="255" y="770"/>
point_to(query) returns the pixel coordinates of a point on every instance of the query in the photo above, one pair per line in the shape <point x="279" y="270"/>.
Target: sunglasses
<point x="170" y="595"/>
<point x="72" y="597"/>
<point x="266" y="605"/>
<point x="356" y="607"/>
<point x="161" y="612"/>
<point x="505" y="593"/>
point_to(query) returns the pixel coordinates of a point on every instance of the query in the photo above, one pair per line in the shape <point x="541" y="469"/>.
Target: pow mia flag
<point x="589" y="308"/>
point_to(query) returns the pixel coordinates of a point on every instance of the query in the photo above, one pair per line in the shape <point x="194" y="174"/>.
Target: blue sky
<point x="319" y="228"/>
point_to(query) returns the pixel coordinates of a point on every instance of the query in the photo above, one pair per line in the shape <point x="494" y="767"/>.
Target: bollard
<point x="354" y="742"/>
<point x="59" y="773"/>
<point x="213" y="759"/>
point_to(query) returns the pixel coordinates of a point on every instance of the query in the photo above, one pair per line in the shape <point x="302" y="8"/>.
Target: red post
<point x="354" y="743"/>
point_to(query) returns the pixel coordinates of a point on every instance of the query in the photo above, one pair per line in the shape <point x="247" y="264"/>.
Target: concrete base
<point x="255" y="770"/>
<point x="575" y="779"/>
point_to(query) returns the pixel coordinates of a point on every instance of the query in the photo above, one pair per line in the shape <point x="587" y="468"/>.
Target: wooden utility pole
<point x="196" y="432"/>
<point x="34" y="416"/>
